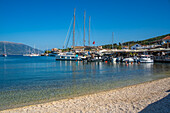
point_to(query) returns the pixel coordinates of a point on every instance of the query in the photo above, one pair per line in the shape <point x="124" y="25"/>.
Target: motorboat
<point x="146" y="59"/>
<point x="108" y="57"/>
<point x="95" y="58"/>
<point x="68" y="56"/>
<point x="128" y="59"/>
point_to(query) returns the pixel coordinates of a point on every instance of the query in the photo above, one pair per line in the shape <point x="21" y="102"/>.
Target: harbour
<point x="84" y="56"/>
<point x="157" y="50"/>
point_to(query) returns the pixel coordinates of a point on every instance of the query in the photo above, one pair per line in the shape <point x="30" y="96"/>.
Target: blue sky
<point x="45" y="22"/>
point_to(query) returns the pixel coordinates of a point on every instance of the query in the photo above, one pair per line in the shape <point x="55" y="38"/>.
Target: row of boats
<point x="93" y="57"/>
<point x="69" y="56"/>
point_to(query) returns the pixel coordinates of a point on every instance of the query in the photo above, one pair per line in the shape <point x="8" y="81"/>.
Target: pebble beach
<point x="145" y="97"/>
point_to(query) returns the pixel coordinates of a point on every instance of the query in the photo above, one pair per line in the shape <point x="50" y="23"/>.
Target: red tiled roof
<point x="166" y="38"/>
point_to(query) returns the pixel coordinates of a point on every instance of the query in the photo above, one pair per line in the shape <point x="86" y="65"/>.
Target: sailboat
<point x="34" y="54"/>
<point x="69" y="55"/>
<point x="31" y="54"/>
<point x="5" y="55"/>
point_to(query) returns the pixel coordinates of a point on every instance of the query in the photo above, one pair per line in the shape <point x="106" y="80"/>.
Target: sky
<point x="45" y="23"/>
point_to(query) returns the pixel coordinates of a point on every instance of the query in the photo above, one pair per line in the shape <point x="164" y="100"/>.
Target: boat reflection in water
<point x="28" y="80"/>
<point x="146" y="59"/>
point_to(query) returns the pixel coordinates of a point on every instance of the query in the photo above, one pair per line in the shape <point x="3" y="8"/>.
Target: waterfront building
<point x="134" y="47"/>
<point x="78" y="48"/>
<point x="166" y="41"/>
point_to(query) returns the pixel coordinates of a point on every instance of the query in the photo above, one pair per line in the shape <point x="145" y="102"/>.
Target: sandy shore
<point x="147" y="97"/>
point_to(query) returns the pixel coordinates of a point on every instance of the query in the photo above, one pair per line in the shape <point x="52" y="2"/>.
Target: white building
<point x="134" y="47"/>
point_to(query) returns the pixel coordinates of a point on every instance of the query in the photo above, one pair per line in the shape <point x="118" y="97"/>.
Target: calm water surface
<point x="32" y="80"/>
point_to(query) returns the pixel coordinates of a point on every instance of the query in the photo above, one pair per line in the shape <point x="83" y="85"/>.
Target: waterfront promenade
<point x="146" y="97"/>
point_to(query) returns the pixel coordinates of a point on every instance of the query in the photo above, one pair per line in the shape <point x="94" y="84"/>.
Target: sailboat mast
<point x="74" y="28"/>
<point x="29" y="51"/>
<point x="112" y="39"/>
<point x="25" y="50"/>
<point x="47" y="50"/>
<point x="84" y="26"/>
<point x="89" y="29"/>
<point x="38" y="50"/>
<point x="34" y="48"/>
<point x="4" y="49"/>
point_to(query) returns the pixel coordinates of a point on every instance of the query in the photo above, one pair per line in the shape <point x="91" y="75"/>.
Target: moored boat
<point x="68" y="56"/>
<point x="34" y="54"/>
<point x="128" y="59"/>
<point x="146" y="59"/>
<point x="94" y="57"/>
<point x="5" y="53"/>
<point x="31" y="54"/>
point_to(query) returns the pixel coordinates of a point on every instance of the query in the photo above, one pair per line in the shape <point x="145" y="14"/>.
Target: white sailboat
<point x="68" y="55"/>
<point x="34" y="54"/>
<point x="5" y="54"/>
<point x="31" y="54"/>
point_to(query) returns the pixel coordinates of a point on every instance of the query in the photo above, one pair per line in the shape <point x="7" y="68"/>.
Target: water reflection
<point x="35" y="79"/>
<point x="149" y="65"/>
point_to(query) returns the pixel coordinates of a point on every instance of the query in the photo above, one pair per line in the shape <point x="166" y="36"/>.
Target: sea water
<point x="33" y="80"/>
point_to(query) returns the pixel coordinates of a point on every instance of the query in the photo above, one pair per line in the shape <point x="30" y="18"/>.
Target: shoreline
<point x="133" y="98"/>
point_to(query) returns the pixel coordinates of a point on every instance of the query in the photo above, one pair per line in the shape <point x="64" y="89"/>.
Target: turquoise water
<point x="32" y="80"/>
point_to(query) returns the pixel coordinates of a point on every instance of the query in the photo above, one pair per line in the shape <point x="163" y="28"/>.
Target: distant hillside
<point x="131" y="43"/>
<point x="16" y="48"/>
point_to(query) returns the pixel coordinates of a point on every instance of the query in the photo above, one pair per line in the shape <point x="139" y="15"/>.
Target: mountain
<point x="131" y="43"/>
<point x="16" y="48"/>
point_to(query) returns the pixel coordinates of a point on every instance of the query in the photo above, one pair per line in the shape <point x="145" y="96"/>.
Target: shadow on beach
<point x="161" y="106"/>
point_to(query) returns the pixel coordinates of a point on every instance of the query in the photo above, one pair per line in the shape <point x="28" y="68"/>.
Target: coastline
<point x="134" y="98"/>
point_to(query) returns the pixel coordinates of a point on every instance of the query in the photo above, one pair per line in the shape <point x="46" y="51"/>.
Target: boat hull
<point x="146" y="61"/>
<point x="31" y="55"/>
<point x="68" y="58"/>
<point x="128" y="60"/>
